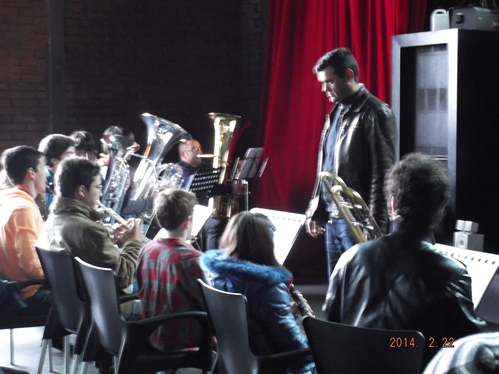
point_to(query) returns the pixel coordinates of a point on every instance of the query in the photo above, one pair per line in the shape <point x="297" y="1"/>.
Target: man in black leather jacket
<point x="399" y="281"/>
<point x="357" y="143"/>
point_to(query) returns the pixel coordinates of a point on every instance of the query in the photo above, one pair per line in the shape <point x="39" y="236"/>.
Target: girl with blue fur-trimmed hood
<point x="247" y="265"/>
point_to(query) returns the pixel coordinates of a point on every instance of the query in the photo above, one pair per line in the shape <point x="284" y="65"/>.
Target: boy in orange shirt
<point x="21" y="224"/>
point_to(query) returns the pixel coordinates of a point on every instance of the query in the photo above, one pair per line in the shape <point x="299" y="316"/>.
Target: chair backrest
<point x="228" y="313"/>
<point x="102" y="294"/>
<point x="344" y="349"/>
<point x="59" y="273"/>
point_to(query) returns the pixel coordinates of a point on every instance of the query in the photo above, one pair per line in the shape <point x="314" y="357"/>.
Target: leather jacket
<point x="365" y="151"/>
<point x="400" y="282"/>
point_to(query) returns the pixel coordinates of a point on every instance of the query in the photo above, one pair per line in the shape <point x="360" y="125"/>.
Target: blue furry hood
<point x="217" y="263"/>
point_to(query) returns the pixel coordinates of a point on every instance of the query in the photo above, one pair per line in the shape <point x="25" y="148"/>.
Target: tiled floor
<point x="27" y="342"/>
<point x="27" y="350"/>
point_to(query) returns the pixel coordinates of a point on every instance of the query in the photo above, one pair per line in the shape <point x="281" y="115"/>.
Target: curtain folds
<point x="293" y="107"/>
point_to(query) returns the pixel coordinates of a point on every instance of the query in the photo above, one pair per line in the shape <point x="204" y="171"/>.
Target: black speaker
<point x="444" y="97"/>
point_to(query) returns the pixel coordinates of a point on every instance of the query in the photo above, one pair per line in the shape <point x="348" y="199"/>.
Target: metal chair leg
<point x="83" y="369"/>
<point x="12" y="346"/>
<point x="45" y="343"/>
<point x="77" y="359"/>
<point x="51" y="361"/>
<point x="66" y="354"/>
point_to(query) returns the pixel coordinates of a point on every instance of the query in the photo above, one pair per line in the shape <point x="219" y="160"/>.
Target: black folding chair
<point x="128" y="341"/>
<point x="344" y="349"/>
<point x="228" y="313"/>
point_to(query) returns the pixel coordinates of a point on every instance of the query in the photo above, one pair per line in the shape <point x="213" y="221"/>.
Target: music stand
<point x="249" y="167"/>
<point x="249" y="164"/>
<point x="204" y="180"/>
<point x="483" y="268"/>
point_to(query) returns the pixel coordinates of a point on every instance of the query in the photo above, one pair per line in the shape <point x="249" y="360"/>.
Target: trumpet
<point x="113" y="214"/>
<point x="117" y="236"/>
<point x="352" y="208"/>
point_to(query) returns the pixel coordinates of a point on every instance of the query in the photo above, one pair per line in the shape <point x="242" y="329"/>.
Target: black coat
<point x="365" y="146"/>
<point x="400" y="282"/>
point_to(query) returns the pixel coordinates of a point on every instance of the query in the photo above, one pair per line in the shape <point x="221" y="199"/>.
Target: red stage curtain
<point x="293" y="107"/>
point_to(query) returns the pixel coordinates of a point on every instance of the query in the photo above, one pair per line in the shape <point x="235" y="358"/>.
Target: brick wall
<point x="178" y="59"/>
<point x="23" y="68"/>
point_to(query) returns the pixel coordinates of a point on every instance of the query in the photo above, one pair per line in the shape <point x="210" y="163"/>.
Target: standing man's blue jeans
<point x="338" y="239"/>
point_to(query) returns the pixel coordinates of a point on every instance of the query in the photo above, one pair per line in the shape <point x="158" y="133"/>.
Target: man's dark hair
<point x="172" y="208"/>
<point x="54" y="146"/>
<point x="115" y="130"/>
<point x="421" y="189"/>
<point x="340" y="59"/>
<point x="73" y="173"/>
<point x="18" y="160"/>
<point x="84" y="141"/>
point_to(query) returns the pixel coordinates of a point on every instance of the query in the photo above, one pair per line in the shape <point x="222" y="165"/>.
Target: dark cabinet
<point x="445" y="96"/>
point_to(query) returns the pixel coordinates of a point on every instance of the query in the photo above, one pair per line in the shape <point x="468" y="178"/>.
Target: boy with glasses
<point x="74" y="225"/>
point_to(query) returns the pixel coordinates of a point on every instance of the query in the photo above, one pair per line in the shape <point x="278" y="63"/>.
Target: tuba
<point x="225" y="125"/>
<point x="352" y="208"/>
<point x="114" y="190"/>
<point x="162" y="135"/>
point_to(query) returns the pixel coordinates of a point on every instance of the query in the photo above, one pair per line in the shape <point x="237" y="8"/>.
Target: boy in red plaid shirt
<point x="167" y="273"/>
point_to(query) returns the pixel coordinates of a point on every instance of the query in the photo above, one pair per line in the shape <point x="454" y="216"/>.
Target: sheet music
<point x="199" y="217"/>
<point x="481" y="267"/>
<point x="287" y="225"/>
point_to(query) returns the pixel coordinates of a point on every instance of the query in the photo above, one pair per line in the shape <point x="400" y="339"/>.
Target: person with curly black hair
<point x="400" y="281"/>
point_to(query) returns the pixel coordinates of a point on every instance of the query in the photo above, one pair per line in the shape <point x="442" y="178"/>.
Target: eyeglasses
<point x="195" y="149"/>
<point x="99" y="187"/>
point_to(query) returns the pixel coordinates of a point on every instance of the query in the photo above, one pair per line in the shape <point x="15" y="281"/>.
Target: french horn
<point x="352" y="207"/>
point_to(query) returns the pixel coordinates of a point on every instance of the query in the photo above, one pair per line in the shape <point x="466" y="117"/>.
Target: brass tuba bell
<point x="225" y="126"/>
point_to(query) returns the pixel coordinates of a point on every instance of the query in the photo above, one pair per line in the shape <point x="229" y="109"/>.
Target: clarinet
<point x="301" y="302"/>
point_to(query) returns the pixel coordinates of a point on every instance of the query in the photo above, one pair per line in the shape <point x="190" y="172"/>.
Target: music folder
<point x="248" y="167"/>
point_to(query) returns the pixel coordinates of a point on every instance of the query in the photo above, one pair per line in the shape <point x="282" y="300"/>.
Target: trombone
<point x="352" y="208"/>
